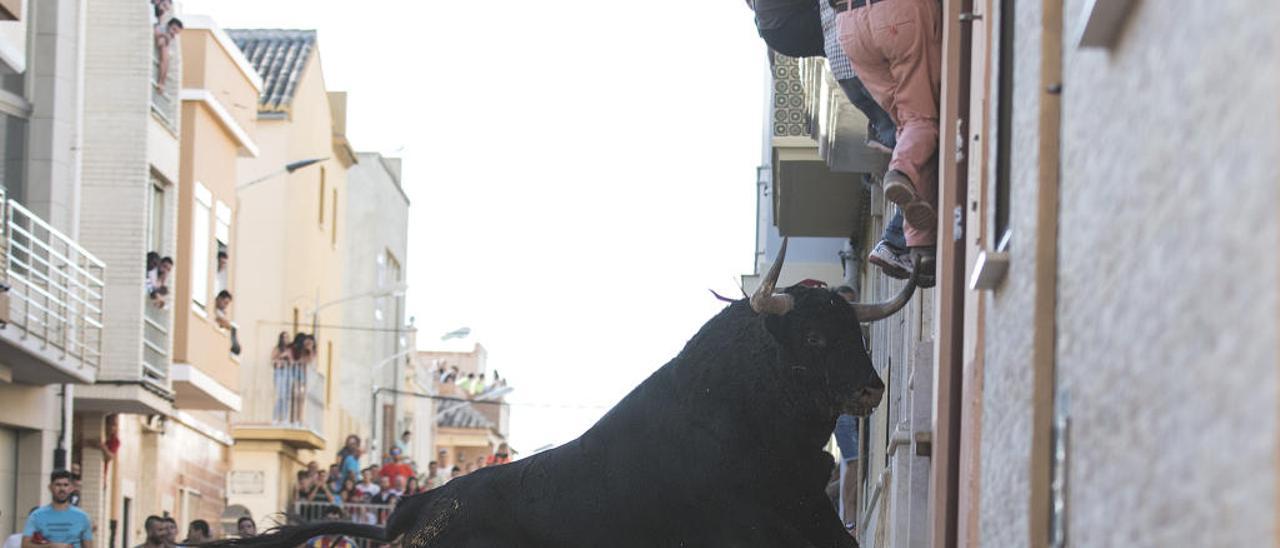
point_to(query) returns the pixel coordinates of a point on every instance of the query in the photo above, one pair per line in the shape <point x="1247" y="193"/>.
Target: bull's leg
<point x="817" y="520"/>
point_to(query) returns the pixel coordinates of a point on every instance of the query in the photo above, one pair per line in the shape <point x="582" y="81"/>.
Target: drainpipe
<point x="60" y="452"/>
<point x="849" y="259"/>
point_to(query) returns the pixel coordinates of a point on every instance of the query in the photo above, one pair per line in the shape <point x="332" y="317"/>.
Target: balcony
<point x="164" y="98"/>
<point x="818" y="152"/>
<point x="155" y="347"/>
<point x="289" y="407"/>
<point x="53" y="330"/>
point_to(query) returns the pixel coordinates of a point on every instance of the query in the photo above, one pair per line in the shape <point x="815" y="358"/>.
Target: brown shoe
<point x="898" y="189"/>
<point x="917" y="212"/>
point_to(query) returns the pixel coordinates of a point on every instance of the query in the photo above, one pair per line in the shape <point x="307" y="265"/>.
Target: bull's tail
<point x="290" y="536"/>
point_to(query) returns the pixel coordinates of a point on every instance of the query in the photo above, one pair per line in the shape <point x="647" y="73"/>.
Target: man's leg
<point x="882" y="129"/>
<point x="902" y="37"/>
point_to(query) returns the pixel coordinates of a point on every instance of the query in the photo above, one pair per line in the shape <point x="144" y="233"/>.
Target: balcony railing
<point x="56" y="286"/>
<point x="293" y="398"/>
<point x="364" y="513"/>
<point x="164" y="99"/>
<point x="155" y="346"/>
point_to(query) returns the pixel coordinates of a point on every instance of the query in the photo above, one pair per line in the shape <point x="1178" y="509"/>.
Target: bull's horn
<point x="764" y="301"/>
<point x="880" y="311"/>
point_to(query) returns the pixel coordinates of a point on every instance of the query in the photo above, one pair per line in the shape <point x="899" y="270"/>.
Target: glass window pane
<point x="200" y="248"/>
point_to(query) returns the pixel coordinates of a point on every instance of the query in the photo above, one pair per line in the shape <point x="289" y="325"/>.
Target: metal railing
<point x="155" y="345"/>
<point x="56" y="286"/>
<point x="164" y="100"/>
<point x="364" y="513"/>
<point x="296" y="393"/>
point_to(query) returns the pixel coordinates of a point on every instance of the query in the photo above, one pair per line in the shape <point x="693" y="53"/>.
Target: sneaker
<point x="894" y="264"/>
<point x="917" y="212"/>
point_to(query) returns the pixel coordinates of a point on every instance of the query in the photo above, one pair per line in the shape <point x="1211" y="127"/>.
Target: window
<point x="1004" y="127"/>
<point x="222" y="234"/>
<point x="333" y="223"/>
<point x="200" y="246"/>
<point x="155" y="229"/>
<point x="322" y="184"/>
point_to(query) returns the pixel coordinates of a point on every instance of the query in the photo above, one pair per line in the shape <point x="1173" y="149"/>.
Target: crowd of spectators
<point x="468" y="384"/>
<point x="368" y="494"/>
<point x="157" y="284"/>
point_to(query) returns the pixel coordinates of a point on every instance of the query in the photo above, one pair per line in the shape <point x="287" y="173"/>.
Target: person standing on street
<point x="156" y="530"/>
<point x="58" y="525"/>
<point x="896" y="49"/>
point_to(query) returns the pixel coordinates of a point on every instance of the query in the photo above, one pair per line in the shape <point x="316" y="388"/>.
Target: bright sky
<point x="581" y="172"/>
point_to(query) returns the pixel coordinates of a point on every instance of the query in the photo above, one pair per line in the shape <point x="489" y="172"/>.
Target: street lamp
<point x="288" y="168"/>
<point x="397" y="290"/>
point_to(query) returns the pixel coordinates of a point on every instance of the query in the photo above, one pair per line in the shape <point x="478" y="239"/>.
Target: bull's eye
<point x="815" y="339"/>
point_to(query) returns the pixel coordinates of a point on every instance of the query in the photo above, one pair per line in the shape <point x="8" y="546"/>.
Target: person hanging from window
<point x="166" y="31"/>
<point x="220" y="275"/>
<point x="221" y="309"/>
<point x="153" y="271"/>
<point x="895" y="47"/>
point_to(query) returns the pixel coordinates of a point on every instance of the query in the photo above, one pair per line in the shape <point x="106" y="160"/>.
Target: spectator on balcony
<point x="896" y="49"/>
<point x="367" y="486"/>
<point x="165" y="33"/>
<point x="221" y="309"/>
<point x="198" y="532"/>
<point x="349" y="458"/>
<point x="403" y="443"/>
<point x="432" y="479"/>
<point x="332" y="513"/>
<point x="246" y="527"/>
<point x="397" y="468"/>
<point x="349" y="493"/>
<point x="220" y="275"/>
<point x="501" y="455"/>
<point x="281" y="351"/>
<point x="163" y="270"/>
<point x="411" y="486"/>
<point x="153" y="271"/>
<point x="302" y="356"/>
<point x="384" y="493"/>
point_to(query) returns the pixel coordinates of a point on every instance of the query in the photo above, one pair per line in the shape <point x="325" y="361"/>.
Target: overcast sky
<point x="581" y="172"/>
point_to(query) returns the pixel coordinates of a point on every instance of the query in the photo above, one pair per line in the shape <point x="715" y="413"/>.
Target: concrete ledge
<point x="296" y="437"/>
<point x="193" y="389"/>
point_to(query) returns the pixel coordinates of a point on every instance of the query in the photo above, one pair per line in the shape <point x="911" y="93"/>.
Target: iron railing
<point x="364" y="513"/>
<point x="55" y="286"/>
<point x="293" y="398"/>
<point x="155" y="346"/>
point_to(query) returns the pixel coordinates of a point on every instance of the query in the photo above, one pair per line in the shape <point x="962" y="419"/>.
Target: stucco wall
<point x="1005" y="446"/>
<point x="1167" y="295"/>
<point x="377" y="222"/>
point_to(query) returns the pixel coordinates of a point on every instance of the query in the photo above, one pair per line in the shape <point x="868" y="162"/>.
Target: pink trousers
<point x="896" y="49"/>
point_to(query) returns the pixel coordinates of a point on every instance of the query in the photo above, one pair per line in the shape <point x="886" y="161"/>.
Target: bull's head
<point x="820" y="330"/>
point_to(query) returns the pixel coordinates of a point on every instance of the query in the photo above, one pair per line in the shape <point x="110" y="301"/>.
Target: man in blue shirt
<point x="58" y="525"/>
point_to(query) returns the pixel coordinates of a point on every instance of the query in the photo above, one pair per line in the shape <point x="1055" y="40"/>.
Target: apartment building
<point x="1096" y="365"/>
<point x="291" y="216"/>
<point x="377" y="347"/>
<point x="468" y="425"/>
<point x="52" y="296"/>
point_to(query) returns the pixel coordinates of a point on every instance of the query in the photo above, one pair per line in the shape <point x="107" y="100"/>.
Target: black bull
<point x="722" y="446"/>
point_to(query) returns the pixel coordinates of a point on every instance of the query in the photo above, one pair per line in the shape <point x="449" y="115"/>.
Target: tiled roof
<point x="279" y="56"/>
<point x="463" y="417"/>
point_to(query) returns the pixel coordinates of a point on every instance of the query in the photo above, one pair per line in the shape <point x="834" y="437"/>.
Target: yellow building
<point x="288" y="270"/>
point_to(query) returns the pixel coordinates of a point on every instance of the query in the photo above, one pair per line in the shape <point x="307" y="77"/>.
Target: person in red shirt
<point x="397" y="468"/>
<point x="501" y="456"/>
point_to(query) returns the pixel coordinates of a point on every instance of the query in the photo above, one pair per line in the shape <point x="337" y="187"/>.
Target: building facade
<point x="52" y="301"/>
<point x="1087" y="370"/>
<point x="377" y="348"/>
<point x="290" y="271"/>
